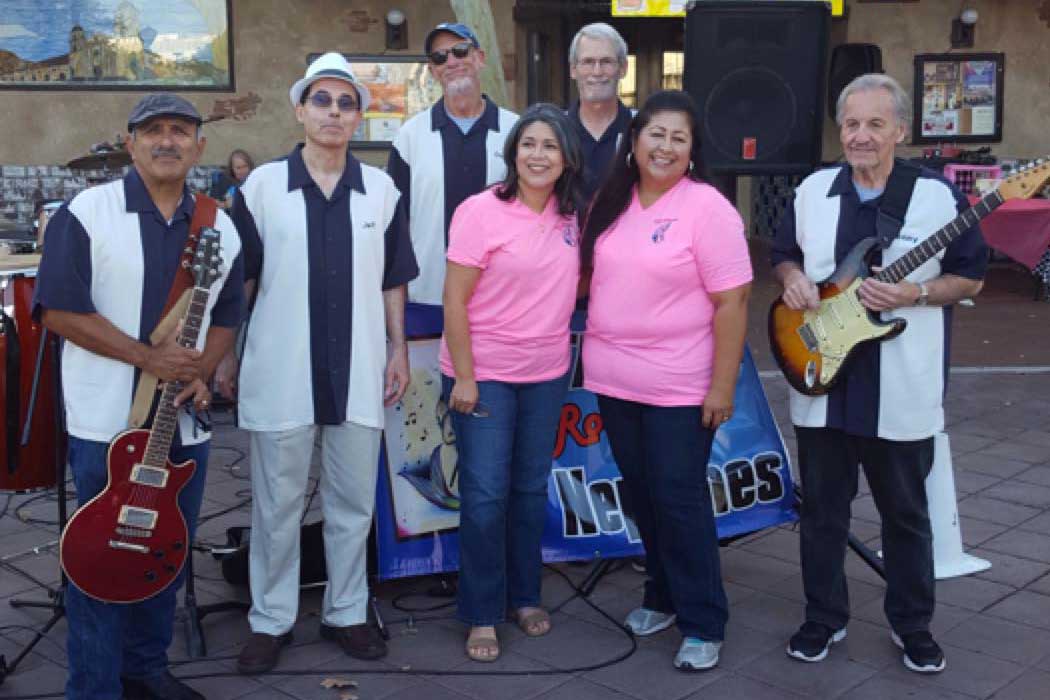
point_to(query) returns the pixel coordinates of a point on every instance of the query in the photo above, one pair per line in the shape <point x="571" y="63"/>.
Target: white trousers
<point x="280" y="463"/>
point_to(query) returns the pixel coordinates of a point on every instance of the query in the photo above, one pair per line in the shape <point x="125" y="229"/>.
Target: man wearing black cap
<point x="326" y="243"/>
<point x="447" y="153"/>
<point x="109" y="261"/>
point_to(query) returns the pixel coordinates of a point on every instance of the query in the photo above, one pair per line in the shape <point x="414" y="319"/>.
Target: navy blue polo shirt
<point x="598" y="152"/>
<point x="330" y="273"/>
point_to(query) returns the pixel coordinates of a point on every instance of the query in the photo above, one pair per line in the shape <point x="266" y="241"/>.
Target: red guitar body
<point x="129" y="542"/>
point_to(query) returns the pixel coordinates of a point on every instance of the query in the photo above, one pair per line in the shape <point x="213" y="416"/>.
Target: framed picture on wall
<point x="401" y="86"/>
<point x="958" y="97"/>
<point x="116" y="45"/>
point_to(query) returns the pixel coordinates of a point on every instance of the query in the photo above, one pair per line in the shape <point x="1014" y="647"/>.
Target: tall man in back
<point x="597" y="62"/>
<point x="447" y="153"/>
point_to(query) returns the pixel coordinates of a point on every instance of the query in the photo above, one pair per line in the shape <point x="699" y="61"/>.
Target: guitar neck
<point x="166" y="420"/>
<point x="904" y="265"/>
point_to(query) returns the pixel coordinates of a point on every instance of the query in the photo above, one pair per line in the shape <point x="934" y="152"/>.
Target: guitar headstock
<point x="207" y="262"/>
<point x="1026" y="181"/>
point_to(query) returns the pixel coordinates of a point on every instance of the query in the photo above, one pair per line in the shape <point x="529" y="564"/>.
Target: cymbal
<point x="102" y="160"/>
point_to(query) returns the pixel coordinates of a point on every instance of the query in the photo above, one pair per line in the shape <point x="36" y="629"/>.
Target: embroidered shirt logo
<point x="570" y="234"/>
<point x="661" y="229"/>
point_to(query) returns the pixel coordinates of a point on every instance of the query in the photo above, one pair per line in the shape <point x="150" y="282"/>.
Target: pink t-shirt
<point x="650" y="334"/>
<point x="530" y="267"/>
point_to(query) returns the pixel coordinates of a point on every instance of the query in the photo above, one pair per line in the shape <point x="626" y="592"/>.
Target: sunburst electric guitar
<point x="813" y="346"/>
<point x="130" y="542"/>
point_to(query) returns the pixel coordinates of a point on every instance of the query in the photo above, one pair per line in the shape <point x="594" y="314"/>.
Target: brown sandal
<point x="481" y="647"/>
<point x="534" y="623"/>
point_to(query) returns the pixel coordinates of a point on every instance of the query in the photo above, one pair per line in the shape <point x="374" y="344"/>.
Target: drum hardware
<point x="56" y="596"/>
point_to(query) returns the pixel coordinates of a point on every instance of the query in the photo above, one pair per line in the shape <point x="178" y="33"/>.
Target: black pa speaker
<point x="849" y="61"/>
<point x="756" y="71"/>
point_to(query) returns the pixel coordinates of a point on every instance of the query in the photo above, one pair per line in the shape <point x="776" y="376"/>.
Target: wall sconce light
<point x="963" y="28"/>
<point x="396" y="30"/>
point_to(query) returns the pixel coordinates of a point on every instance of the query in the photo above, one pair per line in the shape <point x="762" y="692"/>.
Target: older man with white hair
<point x="886" y="407"/>
<point x="327" y="245"/>
<point x="597" y="62"/>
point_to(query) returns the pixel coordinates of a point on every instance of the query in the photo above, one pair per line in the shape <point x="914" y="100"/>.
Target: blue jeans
<point x="107" y="640"/>
<point x="662" y="453"/>
<point x="504" y="462"/>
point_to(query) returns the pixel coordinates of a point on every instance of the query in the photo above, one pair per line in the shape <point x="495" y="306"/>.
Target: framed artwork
<point x="401" y="86"/>
<point x="116" y="45"/>
<point x="958" y="97"/>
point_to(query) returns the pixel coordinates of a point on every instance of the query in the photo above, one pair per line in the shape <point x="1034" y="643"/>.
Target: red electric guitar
<point x="130" y="542"/>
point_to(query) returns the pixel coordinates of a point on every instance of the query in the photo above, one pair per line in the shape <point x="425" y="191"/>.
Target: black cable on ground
<point x="577" y="593"/>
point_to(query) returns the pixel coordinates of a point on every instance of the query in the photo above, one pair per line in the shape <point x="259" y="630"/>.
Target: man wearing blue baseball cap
<point x="447" y="153"/>
<point x="324" y="351"/>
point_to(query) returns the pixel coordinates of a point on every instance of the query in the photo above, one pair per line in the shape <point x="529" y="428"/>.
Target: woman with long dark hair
<point x="669" y="283"/>
<point x="510" y="288"/>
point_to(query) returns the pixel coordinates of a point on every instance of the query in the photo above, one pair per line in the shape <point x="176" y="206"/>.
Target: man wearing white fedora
<point x="328" y="252"/>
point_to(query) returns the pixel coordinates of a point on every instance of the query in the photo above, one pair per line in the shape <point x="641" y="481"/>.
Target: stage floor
<point x="994" y="626"/>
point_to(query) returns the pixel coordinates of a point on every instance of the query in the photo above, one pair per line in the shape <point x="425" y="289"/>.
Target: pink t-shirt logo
<point x="570" y="234"/>
<point x="664" y="224"/>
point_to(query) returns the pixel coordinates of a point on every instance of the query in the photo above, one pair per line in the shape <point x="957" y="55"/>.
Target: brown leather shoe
<point x="261" y="652"/>
<point x="359" y="641"/>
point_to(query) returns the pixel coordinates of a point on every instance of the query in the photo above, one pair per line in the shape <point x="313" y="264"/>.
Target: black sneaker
<point x="812" y="641"/>
<point x="921" y="653"/>
<point x="162" y="687"/>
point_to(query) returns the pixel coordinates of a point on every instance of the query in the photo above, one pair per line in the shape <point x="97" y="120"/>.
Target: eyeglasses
<point x="604" y="63"/>
<point x="459" y="50"/>
<point x="322" y="100"/>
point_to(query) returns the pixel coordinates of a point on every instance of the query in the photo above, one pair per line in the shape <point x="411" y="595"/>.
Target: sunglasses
<point x="459" y="50"/>
<point x="323" y="100"/>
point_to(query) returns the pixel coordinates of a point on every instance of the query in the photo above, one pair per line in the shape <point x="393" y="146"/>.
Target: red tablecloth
<point x="1020" y="228"/>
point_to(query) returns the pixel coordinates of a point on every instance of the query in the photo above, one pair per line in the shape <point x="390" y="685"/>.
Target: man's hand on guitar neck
<point x="887" y="296"/>
<point x="169" y="361"/>
<point x="800" y="292"/>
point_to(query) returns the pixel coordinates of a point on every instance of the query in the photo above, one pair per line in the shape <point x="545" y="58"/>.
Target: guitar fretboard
<point x="904" y="265"/>
<point x="167" y="419"/>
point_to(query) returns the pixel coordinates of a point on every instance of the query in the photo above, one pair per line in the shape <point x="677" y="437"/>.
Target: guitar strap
<point x="895" y="199"/>
<point x="174" y="308"/>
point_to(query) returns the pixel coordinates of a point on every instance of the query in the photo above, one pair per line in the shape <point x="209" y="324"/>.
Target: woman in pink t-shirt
<point x="510" y="288"/>
<point x="669" y="282"/>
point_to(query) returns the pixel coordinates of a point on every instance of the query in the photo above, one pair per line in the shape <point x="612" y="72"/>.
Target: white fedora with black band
<point x="329" y="65"/>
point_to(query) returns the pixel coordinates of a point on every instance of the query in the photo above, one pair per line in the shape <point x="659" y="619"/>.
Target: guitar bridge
<point x="129" y="547"/>
<point x="142" y="518"/>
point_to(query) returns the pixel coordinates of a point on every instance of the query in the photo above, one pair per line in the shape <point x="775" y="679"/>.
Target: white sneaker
<point x="697" y="655"/>
<point x="643" y="621"/>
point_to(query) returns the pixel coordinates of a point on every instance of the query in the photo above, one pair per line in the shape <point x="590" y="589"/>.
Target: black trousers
<point x="896" y="472"/>
<point x="662" y="453"/>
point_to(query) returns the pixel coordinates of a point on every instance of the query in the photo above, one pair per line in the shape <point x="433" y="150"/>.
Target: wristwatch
<point x="924" y="295"/>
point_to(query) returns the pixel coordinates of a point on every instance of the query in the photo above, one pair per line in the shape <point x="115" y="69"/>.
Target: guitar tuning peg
<point x="187" y="250"/>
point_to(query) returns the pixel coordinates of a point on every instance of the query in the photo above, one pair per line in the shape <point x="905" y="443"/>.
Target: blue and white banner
<point x="417" y="506"/>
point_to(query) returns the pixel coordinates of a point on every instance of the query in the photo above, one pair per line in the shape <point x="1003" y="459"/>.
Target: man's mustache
<point x="166" y="153"/>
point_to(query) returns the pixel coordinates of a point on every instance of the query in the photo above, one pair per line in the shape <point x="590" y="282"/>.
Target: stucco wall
<point x="271" y="41"/>
<point x="1018" y="28"/>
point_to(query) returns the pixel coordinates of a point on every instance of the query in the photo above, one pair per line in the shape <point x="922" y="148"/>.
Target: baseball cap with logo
<point x="460" y="30"/>
<point x="329" y="65"/>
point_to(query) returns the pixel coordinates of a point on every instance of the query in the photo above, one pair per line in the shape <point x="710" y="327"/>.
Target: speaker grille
<point x="739" y="108"/>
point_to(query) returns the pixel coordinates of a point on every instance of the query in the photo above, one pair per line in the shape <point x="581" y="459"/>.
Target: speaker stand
<point x="193" y="614"/>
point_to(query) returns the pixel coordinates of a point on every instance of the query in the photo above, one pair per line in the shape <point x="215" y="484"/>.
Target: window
<point x="628" y="91"/>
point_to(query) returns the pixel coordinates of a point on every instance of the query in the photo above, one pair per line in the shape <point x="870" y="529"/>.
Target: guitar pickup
<point x="149" y="476"/>
<point x="809" y="338"/>
<point x="142" y="518"/>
